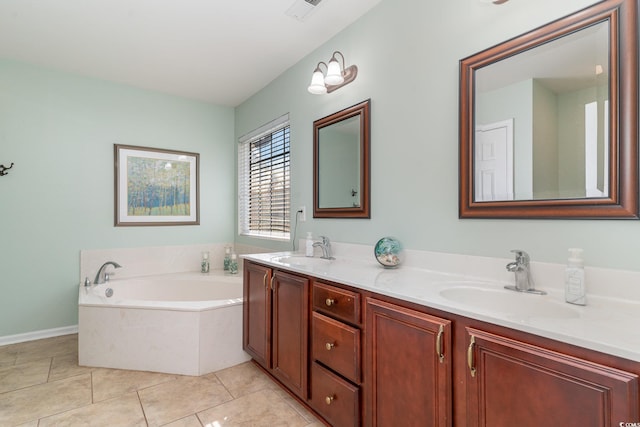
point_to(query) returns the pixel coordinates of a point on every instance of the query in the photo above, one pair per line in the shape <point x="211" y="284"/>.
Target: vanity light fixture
<point x="336" y="75"/>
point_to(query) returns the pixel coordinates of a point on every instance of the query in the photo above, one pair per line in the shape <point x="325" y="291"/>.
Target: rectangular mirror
<point x="548" y="120"/>
<point x="341" y="164"/>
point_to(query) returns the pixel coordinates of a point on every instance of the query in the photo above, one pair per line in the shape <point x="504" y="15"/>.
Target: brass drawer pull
<point x="329" y="346"/>
<point x="329" y="302"/>
<point x="329" y="399"/>
<point x="470" y="361"/>
<point x="439" y="351"/>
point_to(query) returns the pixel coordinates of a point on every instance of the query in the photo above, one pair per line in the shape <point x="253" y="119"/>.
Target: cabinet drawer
<point x="337" y="400"/>
<point x="336" y="345"/>
<point x="336" y="302"/>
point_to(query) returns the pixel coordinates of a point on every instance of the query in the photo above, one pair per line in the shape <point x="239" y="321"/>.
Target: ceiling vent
<point x="301" y="9"/>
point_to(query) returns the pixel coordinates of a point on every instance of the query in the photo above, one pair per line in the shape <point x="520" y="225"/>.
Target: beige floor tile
<point x="108" y="383"/>
<point x="173" y="400"/>
<point x="244" y="379"/>
<point x="42" y="400"/>
<point x="24" y="375"/>
<point x="191" y="421"/>
<point x="304" y="412"/>
<point x="33" y="423"/>
<point x="66" y="366"/>
<point x="8" y="355"/>
<point x="263" y="408"/>
<point x="48" y="347"/>
<point x="124" y="411"/>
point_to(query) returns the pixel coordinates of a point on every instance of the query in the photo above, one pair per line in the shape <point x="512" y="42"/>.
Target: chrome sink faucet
<point x="325" y="245"/>
<point x="520" y="267"/>
<point x="102" y="275"/>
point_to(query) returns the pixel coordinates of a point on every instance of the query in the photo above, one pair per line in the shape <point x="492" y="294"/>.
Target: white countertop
<point x="607" y="324"/>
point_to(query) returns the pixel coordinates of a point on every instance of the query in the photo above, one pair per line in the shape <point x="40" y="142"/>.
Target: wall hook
<point x="3" y="168"/>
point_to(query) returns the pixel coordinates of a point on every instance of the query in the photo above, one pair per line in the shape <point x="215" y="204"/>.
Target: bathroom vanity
<point x="361" y="345"/>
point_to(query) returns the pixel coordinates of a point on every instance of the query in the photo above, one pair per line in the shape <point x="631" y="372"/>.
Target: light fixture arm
<point x="333" y="57"/>
<point x="326" y="67"/>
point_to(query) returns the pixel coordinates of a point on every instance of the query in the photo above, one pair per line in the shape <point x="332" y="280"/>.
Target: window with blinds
<point x="264" y="195"/>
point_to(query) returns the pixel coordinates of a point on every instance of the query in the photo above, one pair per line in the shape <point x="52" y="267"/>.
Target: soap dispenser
<point x="309" y="245"/>
<point x="575" y="291"/>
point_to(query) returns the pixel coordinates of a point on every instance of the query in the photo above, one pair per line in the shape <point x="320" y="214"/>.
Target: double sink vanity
<point x="430" y="343"/>
<point x="364" y="345"/>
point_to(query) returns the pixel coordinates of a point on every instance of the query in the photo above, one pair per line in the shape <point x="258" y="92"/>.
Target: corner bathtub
<point x="183" y="323"/>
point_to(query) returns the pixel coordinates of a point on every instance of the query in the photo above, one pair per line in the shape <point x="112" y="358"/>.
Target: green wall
<point x="407" y="53"/>
<point x="59" y="130"/>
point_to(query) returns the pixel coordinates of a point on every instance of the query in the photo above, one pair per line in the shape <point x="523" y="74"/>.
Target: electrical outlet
<point x="302" y="211"/>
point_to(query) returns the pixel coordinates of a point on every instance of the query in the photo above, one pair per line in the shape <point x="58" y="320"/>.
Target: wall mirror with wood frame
<point x="549" y="120"/>
<point x="341" y="163"/>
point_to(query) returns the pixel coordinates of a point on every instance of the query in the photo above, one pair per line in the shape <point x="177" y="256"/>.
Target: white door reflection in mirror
<point x="494" y="161"/>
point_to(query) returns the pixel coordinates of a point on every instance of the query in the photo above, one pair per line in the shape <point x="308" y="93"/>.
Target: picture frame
<point x="155" y="187"/>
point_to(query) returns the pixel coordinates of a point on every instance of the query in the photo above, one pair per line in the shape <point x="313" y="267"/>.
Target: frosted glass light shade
<point x="317" y="86"/>
<point x="334" y="73"/>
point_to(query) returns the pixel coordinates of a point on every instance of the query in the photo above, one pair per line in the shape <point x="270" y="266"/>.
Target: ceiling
<point x="219" y="51"/>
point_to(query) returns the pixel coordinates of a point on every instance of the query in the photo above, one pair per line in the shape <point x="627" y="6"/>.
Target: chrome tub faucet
<point x="522" y="270"/>
<point x="102" y="276"/>
<point x="325" y="245"/>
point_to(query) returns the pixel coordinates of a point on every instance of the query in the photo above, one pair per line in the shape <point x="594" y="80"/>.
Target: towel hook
<point x="3" y="168"/>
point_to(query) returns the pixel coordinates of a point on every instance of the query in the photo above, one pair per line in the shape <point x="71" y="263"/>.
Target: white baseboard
<point x="36" y="335"/>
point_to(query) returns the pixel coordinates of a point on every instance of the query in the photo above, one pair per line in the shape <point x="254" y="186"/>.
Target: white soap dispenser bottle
<point x="575" y="291"/>
<point x="309" y="245"/>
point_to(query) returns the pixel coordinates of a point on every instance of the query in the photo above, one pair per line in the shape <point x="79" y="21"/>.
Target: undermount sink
<point x="514" y="305"/>
<point x="302" y="261"/>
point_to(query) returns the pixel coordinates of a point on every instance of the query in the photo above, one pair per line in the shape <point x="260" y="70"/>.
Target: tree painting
<point x="157" y="187"/>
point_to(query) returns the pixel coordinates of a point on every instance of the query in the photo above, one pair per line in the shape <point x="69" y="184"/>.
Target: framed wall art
<point x="155" y="186"/>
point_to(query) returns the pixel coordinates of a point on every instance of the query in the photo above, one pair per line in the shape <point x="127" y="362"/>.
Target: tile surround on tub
<point x="145" y="261"/>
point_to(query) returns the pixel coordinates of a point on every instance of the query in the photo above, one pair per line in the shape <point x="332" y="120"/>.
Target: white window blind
<point x="264" y="195"/>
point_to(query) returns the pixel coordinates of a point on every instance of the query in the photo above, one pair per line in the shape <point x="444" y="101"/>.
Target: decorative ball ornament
<point x="388" y="252"/>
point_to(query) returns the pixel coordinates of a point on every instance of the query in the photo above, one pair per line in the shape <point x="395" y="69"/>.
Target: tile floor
<point x="41" y="385"/>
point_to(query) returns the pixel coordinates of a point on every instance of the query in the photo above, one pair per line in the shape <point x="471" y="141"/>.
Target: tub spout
<point x="102" y="276"/>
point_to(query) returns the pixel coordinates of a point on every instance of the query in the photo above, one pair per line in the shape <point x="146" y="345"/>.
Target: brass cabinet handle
<point x="439" y="351"/>
<point x="329" y="399"/>
<point x="264" y="279"/>
<point x="329" y="346"/>
<point x="272" y="278"/>
<point x="470" y="360"/>
<point x="329" y="302"/>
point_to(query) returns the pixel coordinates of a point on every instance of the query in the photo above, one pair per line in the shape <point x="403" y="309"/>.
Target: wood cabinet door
<point x="290" y="355"/>
<point x="512" y="383"/>
<point x="408" y="367"/>
<point x="256" y="330"/>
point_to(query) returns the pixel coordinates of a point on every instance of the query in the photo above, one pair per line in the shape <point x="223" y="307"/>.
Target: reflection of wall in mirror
<point x="571" y="132"/>
<point x="339" y="157"/>
<point x="549" y="135"/>
<point x="512" y="102"/>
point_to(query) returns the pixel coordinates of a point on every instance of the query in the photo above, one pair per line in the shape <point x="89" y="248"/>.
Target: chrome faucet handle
<point x="521" y="256"/>
<point x="325" y="240"/>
